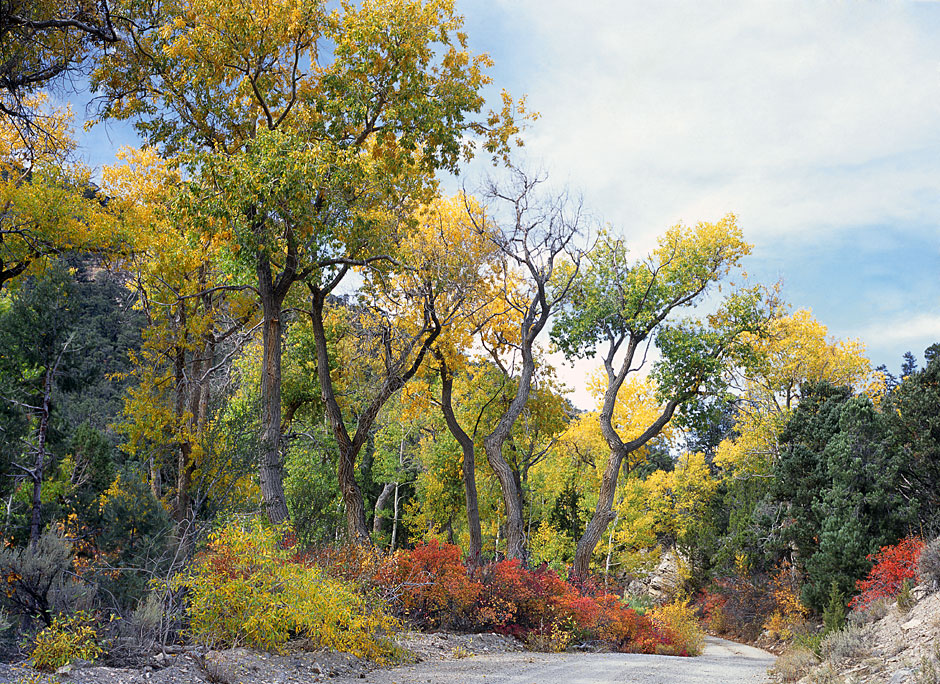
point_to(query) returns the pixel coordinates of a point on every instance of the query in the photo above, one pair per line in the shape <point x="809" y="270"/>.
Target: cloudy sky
<point x="817" y="123"/>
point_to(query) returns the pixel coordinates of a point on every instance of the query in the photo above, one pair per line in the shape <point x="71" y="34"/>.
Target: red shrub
<point x="430" y="586"/>
<point x="892" y="565"/>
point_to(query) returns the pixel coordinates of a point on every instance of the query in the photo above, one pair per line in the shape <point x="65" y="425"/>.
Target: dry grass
<point x="794" y="663"/>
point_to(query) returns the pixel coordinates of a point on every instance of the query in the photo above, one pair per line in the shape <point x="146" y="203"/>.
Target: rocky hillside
<point x="886" y="644"/>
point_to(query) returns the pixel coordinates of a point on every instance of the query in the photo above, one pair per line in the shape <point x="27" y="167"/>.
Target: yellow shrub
<point x="245" y="590"/>
<point x="789" y="612"/>
<point x="66" y="640"/>
<point x="679" y="620"/>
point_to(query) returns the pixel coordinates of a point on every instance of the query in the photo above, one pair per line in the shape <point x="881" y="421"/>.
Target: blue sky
<point x="817" y="123"/>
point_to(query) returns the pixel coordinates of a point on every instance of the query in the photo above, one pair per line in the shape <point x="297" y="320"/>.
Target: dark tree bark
<point x="271" y="467"/>
<point x="399" y="368"/>
<point x="469" y="462"/>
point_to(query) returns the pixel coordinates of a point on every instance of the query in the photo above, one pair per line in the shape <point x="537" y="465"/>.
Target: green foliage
<point x="910" y="413"/>
<point x="67" y="639"/>
<point x="834" y="614"/>
<point x="905" y="599"/>
<point x="244" y="590"/>
<point x="134" y="538"/>
<point x="836" y="478"/>
<point x="312" y="490"/>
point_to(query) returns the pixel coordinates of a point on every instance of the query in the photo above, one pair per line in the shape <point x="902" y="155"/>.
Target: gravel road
<point x="724" y="662"/>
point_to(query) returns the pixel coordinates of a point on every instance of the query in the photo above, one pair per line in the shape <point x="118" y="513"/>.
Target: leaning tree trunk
<point x="356" y="526"/>
<point x="620" y="451"/>
<point x="468" y="466"/>
<point x="509" y="484"/>
<point x="349" y="448"/>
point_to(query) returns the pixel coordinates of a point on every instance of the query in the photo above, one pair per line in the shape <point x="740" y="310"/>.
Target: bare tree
<point x="536" y="236"/>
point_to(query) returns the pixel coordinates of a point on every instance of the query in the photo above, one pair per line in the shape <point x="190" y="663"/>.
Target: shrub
<point x="794" y="663"/>
<point x="66" y="640"/>
<point x="873" y="612"/>
<point x="35" y="578"/>
<point x="834" y="613"/>
<point x="905" y="600"/>
<point x="892" y="565"/>
<point x="851" y="642"/>
<point x="430" y="586"/>
<point x="789" y="612"/>
<point x="679" y="622"/>
<point x="245" y="590"/>
<point x="928" y="565"/>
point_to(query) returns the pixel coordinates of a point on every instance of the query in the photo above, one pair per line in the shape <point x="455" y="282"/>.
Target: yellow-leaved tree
<point x="619" y="306"/>
<point x="309" y="131"/>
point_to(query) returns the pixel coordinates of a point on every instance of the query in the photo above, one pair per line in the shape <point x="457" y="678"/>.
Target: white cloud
<point x="792" y="114"/>
<point x="914" y="332"/>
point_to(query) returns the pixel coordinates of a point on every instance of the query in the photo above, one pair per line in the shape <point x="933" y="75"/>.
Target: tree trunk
<point x="603" y="512"/>
<point x="380" y="504"/>
<point x="271" y="468"/>
<point x="493" y="443"/>
<point x="515" y="535"/>
<point x="349" y="448"/>
<point x="356" y="526"/>
<point x="469" y="464"/>
<point x="35" y="526"/>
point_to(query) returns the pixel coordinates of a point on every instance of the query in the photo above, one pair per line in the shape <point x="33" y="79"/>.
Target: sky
<point x="816" y="123"/>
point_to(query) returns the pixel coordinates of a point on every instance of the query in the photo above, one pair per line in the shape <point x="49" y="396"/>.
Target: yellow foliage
<point x="244" y="590"/>
<point x="67" y="639"/>
<point x="548" y="545"/>
<point x="789" y="612"/>
<point x="680" y="621"/>
<point x="797" y="349"/>
<point x="43" y="208"/>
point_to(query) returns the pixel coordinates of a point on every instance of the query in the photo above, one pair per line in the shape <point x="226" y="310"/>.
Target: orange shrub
<point x="430" y="586"/>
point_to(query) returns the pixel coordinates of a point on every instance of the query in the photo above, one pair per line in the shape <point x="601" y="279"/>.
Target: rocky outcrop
<point x="662" y="584"/>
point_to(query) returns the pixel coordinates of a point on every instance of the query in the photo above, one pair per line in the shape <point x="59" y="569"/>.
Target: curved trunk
<point x="603" y="513"/>
<point x="356" y="526"/>
<point x="600" y="520"/>
<point x="512" y="497"/>
<point x="468" y="467"/>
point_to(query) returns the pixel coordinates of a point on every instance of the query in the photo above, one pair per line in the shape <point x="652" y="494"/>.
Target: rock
<point x="900" y="676"/>
<point x="661" y="584"/>
<point x="911" y="624"/>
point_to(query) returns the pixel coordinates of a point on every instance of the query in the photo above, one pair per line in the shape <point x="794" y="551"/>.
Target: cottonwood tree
<point x="47" y="204"/>
<point x="535" y="235"/>
<point x="195" y="315"/>
<point x="42" y="41"/>
<point x="405" y="303"/>
<point x="300" y="124"/>
<point x="621" y="306"/>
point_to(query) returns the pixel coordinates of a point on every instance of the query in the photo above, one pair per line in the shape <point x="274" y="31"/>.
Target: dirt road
<point x="724" y="662"/>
